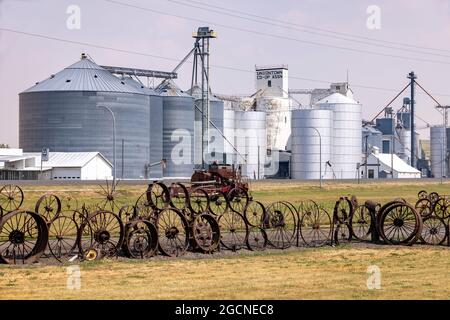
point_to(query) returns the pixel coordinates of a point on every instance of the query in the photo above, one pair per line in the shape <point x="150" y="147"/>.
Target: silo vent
<point x="68" y="80"/>
<point x="52" y="76"/>
<point x="83" y="56"/>
<point x="95" y="76"/>
<point x="122" y="82"/>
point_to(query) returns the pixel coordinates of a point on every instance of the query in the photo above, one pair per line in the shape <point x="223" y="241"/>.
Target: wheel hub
<point x="172" y="232"/>
<point x="102" y="236"/>
<point x="398" y="222"/>
<point x="17" y="237"/>
<point x="433" y="231"/>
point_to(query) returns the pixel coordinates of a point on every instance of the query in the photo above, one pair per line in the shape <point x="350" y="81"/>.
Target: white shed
<point x="379" y="165"/>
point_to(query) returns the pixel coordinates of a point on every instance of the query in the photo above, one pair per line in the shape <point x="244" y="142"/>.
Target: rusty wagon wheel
<point x="143" y="208"/>
<point x="361" y="225"/>
<point x="23" y="237"/>
<point x="433" y="196"/>
<point x="256" y="239"/>
<point x="141" y="239"/>
<point x="233" y="230"/>
<point x="315" y="226"/>
<point x="205" y="233"/>
<point x="198" y="201"/>
<point x="49" y="207"/>
<point x="173" y="232"/>
<point x="102" y="231"/>
<point x="400" y="224"/>
<point x="127" y="213"/>
<point x="281" y="224"/>
<point x="441" y="208"/>
<point x="342" y="210"/>
<point x="424" y="207"/>
<point x="422" y="194"/>
<point x="63" y="238"/>
<point x="434" y="231"/>
<point x="239" y="199"/>
<point x="158" y="195"/>
<point x="218" y="203"/>
<point x="255" y="214"/>
<point x="381" y="211"/>
<point x="11" y="198"/>
<point x="342" y="233"/>
<point x="179" y="196"/>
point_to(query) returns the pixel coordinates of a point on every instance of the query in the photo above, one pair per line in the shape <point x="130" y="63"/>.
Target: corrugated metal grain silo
<point x="307" y="156"/>
<point x="438" y="151"/>
<point x="178" y="131"/>
<point x="347" y="134"/>
<point x="229" y="133"/>
<point x="62" y="113"/>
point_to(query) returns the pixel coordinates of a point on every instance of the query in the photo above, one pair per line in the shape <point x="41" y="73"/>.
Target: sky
<point x="377" y="43"/>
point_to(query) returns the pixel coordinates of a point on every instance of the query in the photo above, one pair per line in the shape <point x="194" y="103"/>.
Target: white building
<point x="17" y="165"/>
<point x="379" y="165"/>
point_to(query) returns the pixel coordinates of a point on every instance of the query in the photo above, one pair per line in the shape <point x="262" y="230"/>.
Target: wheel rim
<point x="233" y="231"/>
<point x="173" y="237"/>
<point x="315" y="227"/>
<point x="281" y="225"/>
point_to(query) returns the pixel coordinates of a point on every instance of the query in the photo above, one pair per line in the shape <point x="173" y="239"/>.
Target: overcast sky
<point x="312" y="42"/>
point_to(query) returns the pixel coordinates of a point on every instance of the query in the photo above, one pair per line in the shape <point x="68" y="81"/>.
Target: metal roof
<point x="132" y="82"/>
<point x="336" y="98"/>
<point x="398" y="164"/>
<point x="70" y="159"/>
<point x="84" y="75"/>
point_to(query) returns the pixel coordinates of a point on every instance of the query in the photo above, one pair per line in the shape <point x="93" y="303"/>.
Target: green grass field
<point x="418" y="272"/>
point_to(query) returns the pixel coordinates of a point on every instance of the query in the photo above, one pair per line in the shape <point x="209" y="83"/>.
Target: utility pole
<point x="413" y="78"/>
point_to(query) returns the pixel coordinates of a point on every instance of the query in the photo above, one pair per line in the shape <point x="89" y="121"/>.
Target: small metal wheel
<point x="307" y="207"/>
<point x="257" y="239"/>
<point x="109" y="201"/>
<point x="127" y="213"/>
<point x="11" y="198"/>
<point x="141" y="239"/>
<point x="49" y="207"/>
<point x="239" y="199"/>
<point x="205" y="233"/>
<point x="198" y="200"/>
<point x="68" y="203"/>
<point x="103" y="231"/>
<point x="143" y="208"/>
<point x="342" y="210"/>
<point x="434" y="231"/>
<point x="62" y="238"/>
<point x="255" y="213"/>
<point x="424" y="207"/>
<point x="173" y="232"/>
<point x="422" y="194"/>
<point x="400" y="224"/>
<point x="158" y="195"/>
<point x="315" y="227"/>
<point x="381" y="211"/>
<point x="433" y="196"/>
<point x="441" y="208"/>
<point x="281" y="224"/>
<point x="342" y="233"/>
<point x="360" y="223"/>
<point x="233" y="231"/>
<point x="218" y="203"/>
<point x="23" y="237"/>
<point x="179" y="196"/>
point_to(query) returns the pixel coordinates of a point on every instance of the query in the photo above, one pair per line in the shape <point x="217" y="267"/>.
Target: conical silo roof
<point x="84" y="75"/>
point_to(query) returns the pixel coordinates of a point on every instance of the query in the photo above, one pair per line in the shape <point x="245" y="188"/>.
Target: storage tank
<point x="347" y="135"/>
<point x="438" y="151"/>
<point x="403" y="147"/>
<point x="216" y="116"/>
<point x="178" y="131"/>
<point x="229" y="133"/>
<point x="305" y="159"/>
<point x="62" y="113"/>
<point x="250" y="131"/>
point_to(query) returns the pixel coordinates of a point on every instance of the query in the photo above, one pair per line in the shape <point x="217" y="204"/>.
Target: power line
<point x="288" y="26"/>
<point x="320" y="29"/>
<point x="87" y="44"/>
<point x="275" y="35"/>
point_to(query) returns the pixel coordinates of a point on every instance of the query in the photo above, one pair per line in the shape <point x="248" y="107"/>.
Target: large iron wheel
<point x="144" y="209"/>
<point x="256" y="214"/>
<point x="141" y="239"/>
<point x="205" y="233"/>
<point x="239" y="199"/>
<point x="11" y="198"/>
<point x="400" y="224"/>
<point x="63" y="238"/>
<point x="424" y="207"/>
<point x="103" y="231"/>
<point x="198" y="200"/>
<point x="281" y="224"/>
<point x="179" y="196"/>
<point x="257" y="239"/>
<point x="441" y="208"/>
<point x="218" y="203"/>
<point x="233" y="230"/>
<point x="49" y="207"/>
<point x="434" y="231"/>
<point x="173" y="232"/>
<point x="315" y="226"/>
<point x="158" y="195"/>
<point x="23" y="237"/>
<point x="361" y="225"/>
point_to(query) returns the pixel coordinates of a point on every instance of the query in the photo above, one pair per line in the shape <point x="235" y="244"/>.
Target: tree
<point x="4" y="145"/>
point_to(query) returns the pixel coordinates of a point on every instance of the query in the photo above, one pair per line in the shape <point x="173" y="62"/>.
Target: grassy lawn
<point x="418" y="272"/>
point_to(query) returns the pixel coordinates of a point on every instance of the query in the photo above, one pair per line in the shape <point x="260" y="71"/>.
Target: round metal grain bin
<point x="178" y="131"/>
<point x="347" y="134"/>
<point x="251" y="139"/>
<point x="308" y="158"/>
<point x="62" y="113"/>
<point x="229" y="133"/>
<point x="438" y="150"/>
